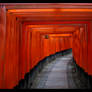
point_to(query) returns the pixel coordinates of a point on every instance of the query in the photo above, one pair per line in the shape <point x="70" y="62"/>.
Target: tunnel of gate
<point x="36" y="61"/>
<point x="14" y="80"/>
<point x="34" y="40"/>
<point x="24" y="64"/>
<point x="35" y="45"/>
<point x="79" y="64"/>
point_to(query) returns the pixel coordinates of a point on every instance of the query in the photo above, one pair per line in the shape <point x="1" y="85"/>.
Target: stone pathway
<point x="57" y="75"/>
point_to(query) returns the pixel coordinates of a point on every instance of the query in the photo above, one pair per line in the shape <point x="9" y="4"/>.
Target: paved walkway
<point x="57" y="75"/>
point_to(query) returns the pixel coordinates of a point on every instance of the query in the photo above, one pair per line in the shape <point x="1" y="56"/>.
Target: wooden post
<point x="2" y="43"/>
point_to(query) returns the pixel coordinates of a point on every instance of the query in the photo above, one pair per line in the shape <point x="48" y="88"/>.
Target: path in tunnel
<point x="58" y="75"/>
